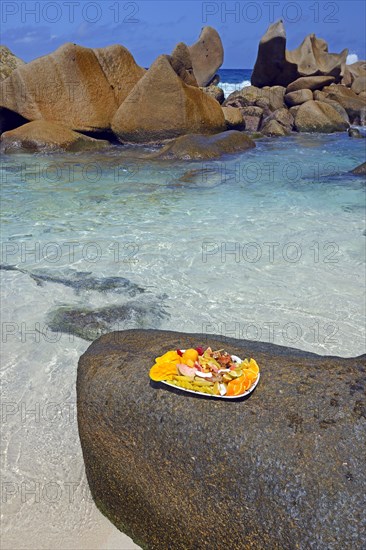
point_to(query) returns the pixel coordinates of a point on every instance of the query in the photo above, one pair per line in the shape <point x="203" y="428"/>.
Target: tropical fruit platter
<point x="206" y="372"/>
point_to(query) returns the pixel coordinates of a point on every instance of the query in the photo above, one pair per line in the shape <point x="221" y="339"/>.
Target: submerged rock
<point x="90" y="323"/>
<point x="360" y="170"/>
<point x="48" y="137"/>
<point x="80" y="281"/>
<point x="201" y="147"/>
<point x="205" y="177"/>
<point x="276" y="471"/>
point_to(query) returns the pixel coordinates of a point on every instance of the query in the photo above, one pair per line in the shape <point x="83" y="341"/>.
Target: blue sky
<point x="148" y="28"/>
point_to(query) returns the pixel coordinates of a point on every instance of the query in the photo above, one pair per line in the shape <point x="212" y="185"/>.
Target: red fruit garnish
<point x="200" y="350"/>
<point x="180" y="353"/>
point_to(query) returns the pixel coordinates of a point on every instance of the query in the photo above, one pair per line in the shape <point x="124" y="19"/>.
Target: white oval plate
<point x="236" y="359"/>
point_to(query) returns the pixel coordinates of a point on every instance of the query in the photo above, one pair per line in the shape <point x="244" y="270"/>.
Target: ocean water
<point x="234" y="79"/>
<point x="266" y="245"/>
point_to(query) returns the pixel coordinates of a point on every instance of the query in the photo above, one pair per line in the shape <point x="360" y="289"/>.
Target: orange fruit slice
<point x="238" y="385"/>
<point x="253" y="366"/>
<point x="190" y="355"/>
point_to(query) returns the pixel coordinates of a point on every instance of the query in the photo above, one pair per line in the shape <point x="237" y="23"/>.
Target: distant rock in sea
<point x="276" y="65"/>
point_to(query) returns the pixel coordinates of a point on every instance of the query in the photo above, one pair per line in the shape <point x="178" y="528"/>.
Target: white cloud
<point x="351" y="58"/>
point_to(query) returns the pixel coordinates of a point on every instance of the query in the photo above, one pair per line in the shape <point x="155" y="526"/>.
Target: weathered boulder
<point x="120" y="69"/>
<point x="339" y="90"/>
<point x="276" y="471"/>
<point x="161" y="106"/>
<point x="298" y="97"/>
<point x="353" y="71"/>
<point x="271" y="59"/>
<point x="320" y="96"/>
<point x="317" y="116"/>
<point x="293" y="110"/>
<point x="274" y="129"/>
<point x="354" y="106"/>
<point x="243" y="98"/>
<point x="215" y="80"/>
<point x="78" y="87"/>
<point x="182" y="64"/>
<point x="276" y="65"/>
<point x="359" y="85"/>
<point x="253" y="96"/>
<point x="207" y="55"/>
<point x="46" y="136"/>
<point x="215" y="92"/>
<point x="252" y="116"/>
<point x="8" y="62"/>
<point x="360" y="170"/>
<point x="201" y="147"/>
<point x="283" y="117"/>
<point x="309" y="83"/>
<point x="233" y="118"/>
<point x="355" y="133"/>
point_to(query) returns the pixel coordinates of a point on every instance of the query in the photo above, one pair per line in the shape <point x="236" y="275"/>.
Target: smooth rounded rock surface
<point x="207" y="55"/>
<point x="298" y="98"/>
<point x="161" y="106"/>
<point x="317" y="116"/>
<point x="309" y="83"/>
<point x="45" y="136"/>
<point x="78" y="87"/>
<point x="359" y="85"/>
<point x="233" y="118"/>
<point x="201" y="147"/>
<point x="280" y="470"/>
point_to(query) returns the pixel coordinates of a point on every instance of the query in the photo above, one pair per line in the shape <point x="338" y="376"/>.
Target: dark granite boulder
<point x="283" y="469"/>
<point x="276" y="65"/>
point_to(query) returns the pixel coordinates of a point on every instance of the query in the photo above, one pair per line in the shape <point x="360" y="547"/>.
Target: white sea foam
<point x="230" y="87"/>
<point x="351" y="58"/>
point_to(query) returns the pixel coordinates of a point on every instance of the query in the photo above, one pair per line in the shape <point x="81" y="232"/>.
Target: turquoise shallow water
<point x="267" y="245"/>
<point x="271" y="236"/>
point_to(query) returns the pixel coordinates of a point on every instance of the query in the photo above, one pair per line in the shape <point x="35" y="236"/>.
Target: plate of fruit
<point x="206" y="372"/>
